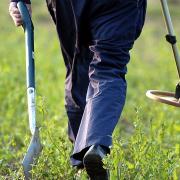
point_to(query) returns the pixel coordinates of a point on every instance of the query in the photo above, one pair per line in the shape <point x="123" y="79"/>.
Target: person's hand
<point x="15" y="14"/>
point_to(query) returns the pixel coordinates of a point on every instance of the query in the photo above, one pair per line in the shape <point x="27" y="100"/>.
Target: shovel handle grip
<point x="27" y="23"/>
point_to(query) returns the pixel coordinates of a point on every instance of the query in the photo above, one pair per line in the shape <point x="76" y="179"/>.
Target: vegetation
<point x="147" y="138"/>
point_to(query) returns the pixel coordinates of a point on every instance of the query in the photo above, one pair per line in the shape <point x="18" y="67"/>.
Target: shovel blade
<point x="32" y="154"/>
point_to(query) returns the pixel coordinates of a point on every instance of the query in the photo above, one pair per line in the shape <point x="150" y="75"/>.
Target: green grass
<point x="146" y="140"/>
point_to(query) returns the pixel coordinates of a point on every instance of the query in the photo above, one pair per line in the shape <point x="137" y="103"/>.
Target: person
<point x="96" y="37"/>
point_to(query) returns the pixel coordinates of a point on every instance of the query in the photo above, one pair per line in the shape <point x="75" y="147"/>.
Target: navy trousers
<point x="96" y="37"/>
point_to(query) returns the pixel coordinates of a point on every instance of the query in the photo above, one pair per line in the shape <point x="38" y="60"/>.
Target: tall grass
<point x="147" y="138"/>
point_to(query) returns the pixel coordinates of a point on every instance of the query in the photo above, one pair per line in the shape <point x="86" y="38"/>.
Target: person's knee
<point x="110" y="60"/>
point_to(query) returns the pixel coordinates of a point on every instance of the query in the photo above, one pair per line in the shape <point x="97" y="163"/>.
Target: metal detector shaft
<point x="35" y="146"/>
<point x="171" y="34"/>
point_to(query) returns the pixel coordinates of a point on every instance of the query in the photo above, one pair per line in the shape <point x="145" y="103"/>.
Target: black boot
<point x="93" y="163"/>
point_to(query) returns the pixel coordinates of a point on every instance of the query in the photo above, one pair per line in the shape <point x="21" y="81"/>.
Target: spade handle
<point x="30" y="67"/>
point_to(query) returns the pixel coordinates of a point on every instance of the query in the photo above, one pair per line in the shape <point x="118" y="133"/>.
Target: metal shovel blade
<point x="32" y="154"/>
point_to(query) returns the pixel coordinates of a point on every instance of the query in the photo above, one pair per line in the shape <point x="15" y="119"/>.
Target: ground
<point x="146" y="140"/>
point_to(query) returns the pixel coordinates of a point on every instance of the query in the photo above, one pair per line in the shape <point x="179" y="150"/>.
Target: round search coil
<point x="163" y="97"/>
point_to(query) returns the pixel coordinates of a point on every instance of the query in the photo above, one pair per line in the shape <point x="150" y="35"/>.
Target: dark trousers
<point x="96" y="37"/>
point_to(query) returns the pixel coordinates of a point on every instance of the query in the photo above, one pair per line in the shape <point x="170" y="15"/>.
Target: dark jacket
<point x="26" y="1"/>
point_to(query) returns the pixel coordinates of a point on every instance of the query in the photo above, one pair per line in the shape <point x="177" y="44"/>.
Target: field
<point x="147" y="138"/>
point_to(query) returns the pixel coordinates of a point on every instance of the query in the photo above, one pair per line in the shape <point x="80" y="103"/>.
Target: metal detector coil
<point x="163" y="96"/>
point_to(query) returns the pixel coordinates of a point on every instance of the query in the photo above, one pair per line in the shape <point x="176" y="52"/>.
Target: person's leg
<point x="80" y="81"/>
<point x="114" y="27"/>
<point x="77" y="63"/>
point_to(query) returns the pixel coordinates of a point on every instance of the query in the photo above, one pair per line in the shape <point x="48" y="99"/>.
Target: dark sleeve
<point x="26" y="1"/>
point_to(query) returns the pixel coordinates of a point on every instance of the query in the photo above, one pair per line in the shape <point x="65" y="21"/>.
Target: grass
<point x="146" y="140"/>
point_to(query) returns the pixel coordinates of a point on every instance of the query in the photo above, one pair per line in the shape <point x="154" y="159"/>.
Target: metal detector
<point x="35" y="146"/>
<point x="161" y="96"/>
